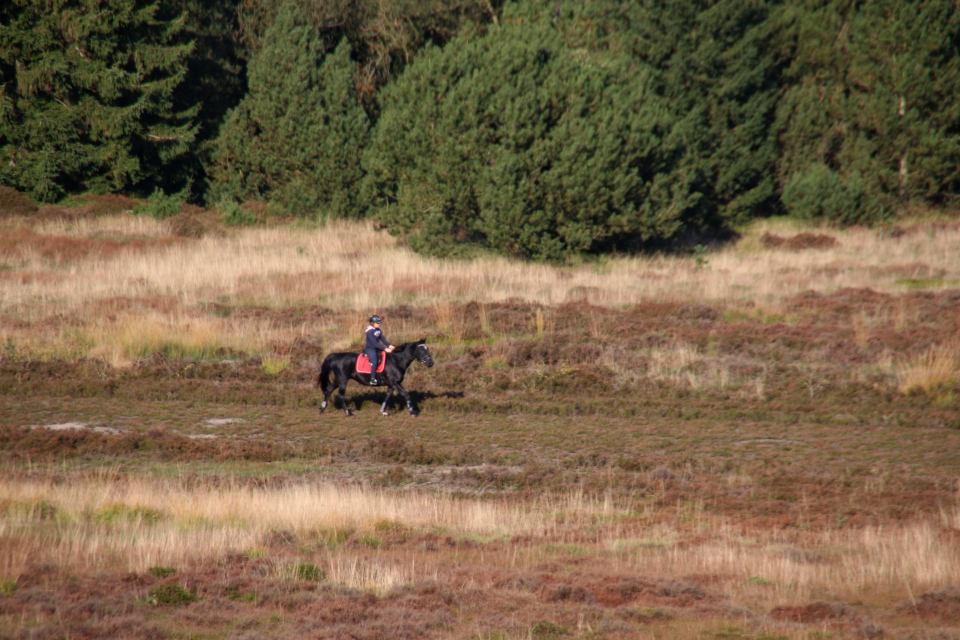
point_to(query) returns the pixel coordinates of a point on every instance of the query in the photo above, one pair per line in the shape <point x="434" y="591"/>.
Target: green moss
<point x="548" y="629"/>
<point x="162" y="572"/>
<point x="120" y="513"/>
<point x="171" y="595"/>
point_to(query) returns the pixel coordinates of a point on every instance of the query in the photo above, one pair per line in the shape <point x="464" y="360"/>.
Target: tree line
<point x="536" y="128"/>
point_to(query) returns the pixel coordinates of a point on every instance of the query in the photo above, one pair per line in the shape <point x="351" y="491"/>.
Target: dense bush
<point x="160" y="206"/>
<point x="516" y="141"/>
<point x="171" y="595"/>
<point x="821" y="194"/>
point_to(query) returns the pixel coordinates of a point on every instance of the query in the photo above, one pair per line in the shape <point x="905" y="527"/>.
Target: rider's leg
<point x="374" y="363"/>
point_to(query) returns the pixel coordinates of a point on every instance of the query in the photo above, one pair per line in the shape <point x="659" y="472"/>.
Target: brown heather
<point x="758" y="443"/>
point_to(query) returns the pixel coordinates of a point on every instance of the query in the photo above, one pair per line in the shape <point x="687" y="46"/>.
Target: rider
<point x="372" y="349"/>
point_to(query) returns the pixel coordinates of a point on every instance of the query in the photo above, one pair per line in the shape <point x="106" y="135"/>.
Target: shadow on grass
<point x="395" y="401"/>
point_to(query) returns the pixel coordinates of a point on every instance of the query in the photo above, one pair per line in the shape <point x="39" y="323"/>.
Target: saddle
<point x="363" y="365"/>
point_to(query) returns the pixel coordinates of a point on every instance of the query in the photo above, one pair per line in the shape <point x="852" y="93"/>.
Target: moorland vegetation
<point x="690" y="272"/>
<point x="757" y="441"/>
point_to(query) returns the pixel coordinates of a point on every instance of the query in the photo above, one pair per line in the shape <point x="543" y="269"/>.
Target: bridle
<point x="425" y="356"/>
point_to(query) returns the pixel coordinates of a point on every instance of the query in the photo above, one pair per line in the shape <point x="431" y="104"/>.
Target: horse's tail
<point x="323" y="380"/>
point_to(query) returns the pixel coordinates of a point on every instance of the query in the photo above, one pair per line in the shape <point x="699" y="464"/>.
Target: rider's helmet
<point x="375" y="319"/>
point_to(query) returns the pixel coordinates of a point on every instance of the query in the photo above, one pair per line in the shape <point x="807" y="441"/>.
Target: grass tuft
<point x="120" y="513"/>
<point x="306" y="572"/>
<point x="936" y="367"/>
<point x="171" y="595"/>
<point x="273" y="366"/>
<point x="546" y="629"/>
<point x="162" y="572"/>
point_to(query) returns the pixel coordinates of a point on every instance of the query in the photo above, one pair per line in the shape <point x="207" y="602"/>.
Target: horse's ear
<point x="423" y="341"/>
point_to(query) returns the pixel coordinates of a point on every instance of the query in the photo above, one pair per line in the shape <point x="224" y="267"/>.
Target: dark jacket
<point x="374" y="338"/>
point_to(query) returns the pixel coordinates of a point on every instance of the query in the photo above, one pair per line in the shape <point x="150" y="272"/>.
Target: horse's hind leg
<point x="326" y="396"/>
<point x="342" y="396"/>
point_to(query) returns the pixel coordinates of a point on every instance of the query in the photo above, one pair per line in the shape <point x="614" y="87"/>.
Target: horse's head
<point x="422" y="353"/>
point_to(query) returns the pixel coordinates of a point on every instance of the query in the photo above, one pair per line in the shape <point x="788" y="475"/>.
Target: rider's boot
<point x="373" y="380"/>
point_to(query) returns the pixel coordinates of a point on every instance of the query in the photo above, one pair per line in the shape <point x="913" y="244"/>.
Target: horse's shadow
<point x="395" y="401"/>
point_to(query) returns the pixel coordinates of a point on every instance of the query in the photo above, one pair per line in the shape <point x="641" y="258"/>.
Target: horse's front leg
<point x="406" y="396"/>
<point x="386" y="399"/>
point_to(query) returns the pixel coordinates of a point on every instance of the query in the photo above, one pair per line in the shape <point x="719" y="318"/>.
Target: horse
<point x="343" y="366"/>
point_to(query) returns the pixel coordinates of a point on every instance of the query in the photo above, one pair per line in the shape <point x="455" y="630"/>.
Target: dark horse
<point x="344" y="368"/>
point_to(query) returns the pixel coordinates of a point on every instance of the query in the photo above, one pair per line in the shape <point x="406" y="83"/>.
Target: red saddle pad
<point x="363" y="365"/>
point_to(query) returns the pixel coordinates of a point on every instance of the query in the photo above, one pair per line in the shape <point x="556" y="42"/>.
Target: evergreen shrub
<point x="160" y="206"/>
<point x="822" y="194"/>
<point x="172" y="595"/>
<point x="234" y="214"/>
<point x="514" y="141"/>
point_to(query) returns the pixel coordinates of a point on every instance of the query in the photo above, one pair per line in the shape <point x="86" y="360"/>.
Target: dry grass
<point x="939" y="365"/>
<point x="137" y="524"/>
<point x="680" y="364"/>
<point x="848" y="563"/>
<point x="104" y="523"/>
<point x="268" y="292"/>
<point x="351" y="266"/>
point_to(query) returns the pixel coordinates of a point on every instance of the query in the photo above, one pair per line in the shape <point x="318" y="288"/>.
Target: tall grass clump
<point x="196" y="339"/>
<point x="937" y="366"/>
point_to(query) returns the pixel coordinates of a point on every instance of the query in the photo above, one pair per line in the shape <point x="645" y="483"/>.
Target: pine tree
<point x="719" y="65"/>
<point x="529" y="138"/>
<point x="216" y="78"/>
<point x="88" y="97"/>
<point x="385" y="34"/>
<point x="871" y="105"/>
<point x="298" y="135"/>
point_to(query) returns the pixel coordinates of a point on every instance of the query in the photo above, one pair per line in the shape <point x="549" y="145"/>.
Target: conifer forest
<point x="531" y="128"/>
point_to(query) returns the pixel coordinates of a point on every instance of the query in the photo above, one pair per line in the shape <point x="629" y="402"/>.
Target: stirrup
<point x="374" y="382"/>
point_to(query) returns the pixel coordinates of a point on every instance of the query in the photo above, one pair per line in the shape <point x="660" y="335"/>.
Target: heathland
<point x="759" y="440"/>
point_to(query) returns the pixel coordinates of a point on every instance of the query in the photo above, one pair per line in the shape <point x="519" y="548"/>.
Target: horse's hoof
<point x="385" y="414"/>
<point x="414" y="414"/>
